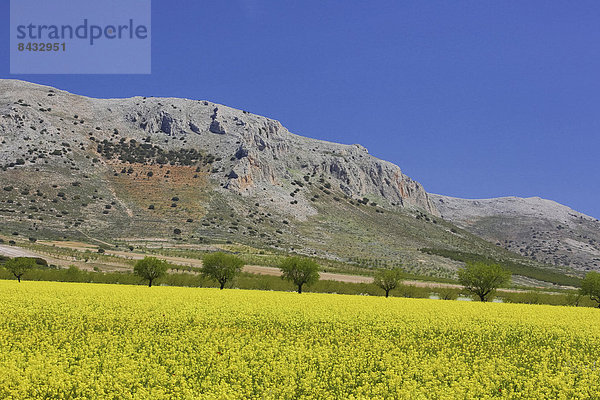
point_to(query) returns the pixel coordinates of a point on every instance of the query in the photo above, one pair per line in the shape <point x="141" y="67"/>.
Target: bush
<point x="448" y="293"/>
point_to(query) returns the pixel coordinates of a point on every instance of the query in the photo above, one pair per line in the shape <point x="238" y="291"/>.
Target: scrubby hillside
<point x="540" y="229"/>
<point x="188" y="172"/>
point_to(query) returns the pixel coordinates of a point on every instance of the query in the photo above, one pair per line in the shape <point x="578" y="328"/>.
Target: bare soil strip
<point x="11" y="251"/>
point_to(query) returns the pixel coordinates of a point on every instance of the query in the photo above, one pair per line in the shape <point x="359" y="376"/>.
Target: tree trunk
<point x="19" y="278"/>
<point x="149" y="282"/>
<point x="387" y="292"/>
<point x="300" y="288"/>
<point x="222" y="285"/>
<point x="482" y="297"/>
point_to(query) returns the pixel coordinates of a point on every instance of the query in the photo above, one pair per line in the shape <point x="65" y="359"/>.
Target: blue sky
<point x="473" y="99"/>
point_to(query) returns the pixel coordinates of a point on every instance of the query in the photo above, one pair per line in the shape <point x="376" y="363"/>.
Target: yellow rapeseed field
<point x="63" y="341"/>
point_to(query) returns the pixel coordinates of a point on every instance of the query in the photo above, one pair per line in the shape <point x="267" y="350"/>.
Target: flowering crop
<point x="63" y="341"/>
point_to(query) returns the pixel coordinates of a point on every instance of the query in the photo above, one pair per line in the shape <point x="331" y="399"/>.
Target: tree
<point x="388" y="279"/>
<point x="590" y="286"/>
<point x="221" y="267"/>
<point x="150" y="268"/>
<point x="300" y="271"/>
<point x="19" y="266"/>
<point x="483" y="279"/>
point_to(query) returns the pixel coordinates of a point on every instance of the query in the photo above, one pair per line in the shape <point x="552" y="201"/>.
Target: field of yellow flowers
<point x="67" y="340"/>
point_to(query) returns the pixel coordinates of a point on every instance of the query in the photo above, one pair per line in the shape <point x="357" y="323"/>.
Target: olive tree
<point x="388" y="279"/>
<point x="483" y="279"/>
<point x="300" y="271"/>
<point x="590" y="286"/>
<point x="20" y="265"/>
<point x="221" y="267"/>
<point x="151" y="268"/>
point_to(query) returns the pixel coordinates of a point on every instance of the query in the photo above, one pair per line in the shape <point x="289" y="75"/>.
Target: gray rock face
<point x="253" y="154"/>
<point x="537" y="228"/>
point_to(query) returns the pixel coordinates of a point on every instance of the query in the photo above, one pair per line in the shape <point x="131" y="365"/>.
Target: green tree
<point x="590" y="286"/>
<point x="151" y="268"/>
<point x="483" y="279"/>
<point x="20" y="265"/>
<point x="221" y="267"/>
<point x="300" y="271"/>
<point x="388" y="279"/>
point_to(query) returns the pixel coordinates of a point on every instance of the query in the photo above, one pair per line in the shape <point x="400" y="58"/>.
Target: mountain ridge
<point x="538" y="228"/>
<point x="197" y="117"/>
<point x="188" y="171"/>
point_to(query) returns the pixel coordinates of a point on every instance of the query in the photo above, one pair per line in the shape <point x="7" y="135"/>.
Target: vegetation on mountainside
<point x="514" y="267"/>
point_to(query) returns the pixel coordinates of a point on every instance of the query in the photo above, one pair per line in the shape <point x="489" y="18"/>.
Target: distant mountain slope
<point x="536" y="228"/>
<point x="169" y="171"/>
<point x="250" y="153"/>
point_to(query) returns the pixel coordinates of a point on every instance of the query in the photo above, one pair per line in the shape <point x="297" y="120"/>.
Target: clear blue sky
<point x="473" y="99"/>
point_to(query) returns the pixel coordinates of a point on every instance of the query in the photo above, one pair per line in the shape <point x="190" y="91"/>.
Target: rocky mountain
<point x="541" y="229"/>
<point x="249" y="153"/>
<point x="179" y="172"/>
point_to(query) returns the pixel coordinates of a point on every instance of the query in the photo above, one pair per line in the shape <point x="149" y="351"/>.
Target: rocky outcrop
<point x="253" y="155"/>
